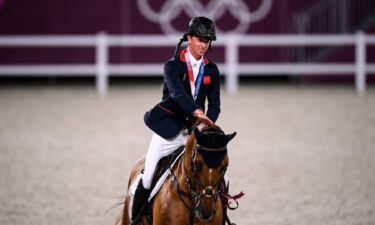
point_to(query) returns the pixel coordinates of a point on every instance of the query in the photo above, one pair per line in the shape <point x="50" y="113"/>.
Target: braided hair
<point x="177" y="51"/>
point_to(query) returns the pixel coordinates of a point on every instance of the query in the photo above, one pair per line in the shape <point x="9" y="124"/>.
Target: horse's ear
<point x="230" y="136"/>
<point x="198" y="134"/>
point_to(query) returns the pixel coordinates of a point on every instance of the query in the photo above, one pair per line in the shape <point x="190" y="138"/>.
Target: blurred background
<point x="76" y="78"/>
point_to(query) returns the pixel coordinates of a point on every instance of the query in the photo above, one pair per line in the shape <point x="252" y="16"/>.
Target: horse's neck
<point x="182" y="172"/>
<point x="190" y="146"/>
<point x="189" y="152"/>
<point x="183" y="168"/>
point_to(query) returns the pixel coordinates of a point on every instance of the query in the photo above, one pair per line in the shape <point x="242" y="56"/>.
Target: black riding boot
<point x="139" y="202"/>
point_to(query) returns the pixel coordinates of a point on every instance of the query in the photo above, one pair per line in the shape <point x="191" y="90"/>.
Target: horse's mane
<point x="213" y="127"/>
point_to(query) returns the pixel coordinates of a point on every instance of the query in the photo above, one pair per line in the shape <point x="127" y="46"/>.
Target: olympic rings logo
<point x="215" y="9"/>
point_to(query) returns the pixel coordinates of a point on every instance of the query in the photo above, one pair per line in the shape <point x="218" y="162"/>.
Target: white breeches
<point x="158" y="148"/>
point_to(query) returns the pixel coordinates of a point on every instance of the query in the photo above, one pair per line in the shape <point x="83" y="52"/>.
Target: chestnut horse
<point x="190" y="194"/>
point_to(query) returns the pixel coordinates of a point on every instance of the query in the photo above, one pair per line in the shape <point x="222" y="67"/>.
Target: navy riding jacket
<point x="175" y="111"/>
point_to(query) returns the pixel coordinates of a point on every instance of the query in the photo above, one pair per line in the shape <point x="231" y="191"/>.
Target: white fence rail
<point x="231" y="67"/>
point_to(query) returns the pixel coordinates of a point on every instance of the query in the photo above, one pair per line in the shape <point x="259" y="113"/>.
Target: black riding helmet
<point x="201" y="27"/>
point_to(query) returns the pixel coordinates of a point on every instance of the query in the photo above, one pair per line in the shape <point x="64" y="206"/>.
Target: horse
<point x="191" y="194"/>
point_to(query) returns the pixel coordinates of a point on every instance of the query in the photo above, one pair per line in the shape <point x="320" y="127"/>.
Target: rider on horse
<point x="189" y="80"/>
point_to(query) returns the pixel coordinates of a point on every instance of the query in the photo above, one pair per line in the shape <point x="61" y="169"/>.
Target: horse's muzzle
<point x="205" y="214"/>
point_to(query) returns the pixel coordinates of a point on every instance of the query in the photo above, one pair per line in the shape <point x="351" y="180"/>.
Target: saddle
<point x="164" y="164"/>
<point x="160" y="172"/>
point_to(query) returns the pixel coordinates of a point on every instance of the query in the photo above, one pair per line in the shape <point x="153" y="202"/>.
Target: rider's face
<point x="198" y="46"/>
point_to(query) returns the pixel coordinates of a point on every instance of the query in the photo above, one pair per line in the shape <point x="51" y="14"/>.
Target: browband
<point x="212" y="149"/>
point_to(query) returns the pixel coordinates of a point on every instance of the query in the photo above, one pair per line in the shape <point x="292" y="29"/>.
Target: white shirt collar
<point x="193" y="61"/>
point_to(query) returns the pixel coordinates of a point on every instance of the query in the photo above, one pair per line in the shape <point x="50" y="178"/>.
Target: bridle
<point x="193" y="183"/>
<point x="208" y="191"/>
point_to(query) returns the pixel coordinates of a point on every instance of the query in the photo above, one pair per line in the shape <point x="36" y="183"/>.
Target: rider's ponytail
<point x="178" y="46"/>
